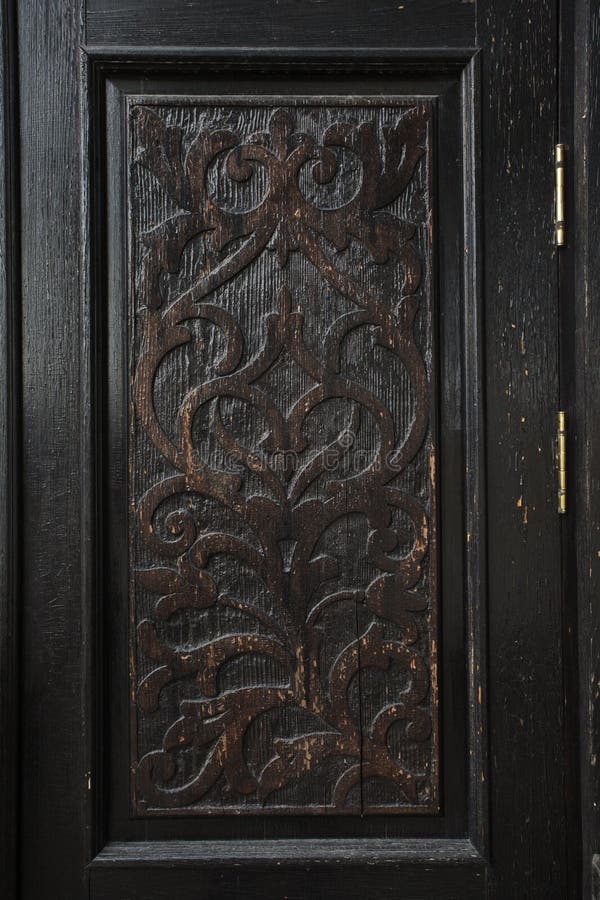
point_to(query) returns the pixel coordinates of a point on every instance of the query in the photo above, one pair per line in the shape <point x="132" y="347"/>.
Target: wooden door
<point x="286" y="376"/>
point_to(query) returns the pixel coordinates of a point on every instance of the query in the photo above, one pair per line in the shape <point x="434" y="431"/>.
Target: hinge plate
<point x="559" y="195"/>
<point x="561" y="461"/>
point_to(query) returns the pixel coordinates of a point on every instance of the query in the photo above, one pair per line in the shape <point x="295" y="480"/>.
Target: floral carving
<point x="279" y="678"/>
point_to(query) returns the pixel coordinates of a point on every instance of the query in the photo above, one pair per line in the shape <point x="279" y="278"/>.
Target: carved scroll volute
<point x="282" y="460"/>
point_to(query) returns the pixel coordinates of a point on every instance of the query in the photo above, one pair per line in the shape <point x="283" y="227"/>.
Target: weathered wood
<point x="585" y="422"/>
<point x="74" y="500"/>
<point x="159" y="854"/>
<point x="476" y="573"/>
<point x="282" y="460"/>
<point x="595" y="877"/>
<point x="444" y="882"/>
<point x="9" y="453"/>
<point x="412" y="870"/>
<point x="359" y="78"/>
<point x="52" y="779"/>
<point x="569" y="361"/>
<point x="285" y="23"/>
<point x="519" y="102"/>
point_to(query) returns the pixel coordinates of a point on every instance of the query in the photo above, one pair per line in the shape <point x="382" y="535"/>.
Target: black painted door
<point x="291" y="560"/>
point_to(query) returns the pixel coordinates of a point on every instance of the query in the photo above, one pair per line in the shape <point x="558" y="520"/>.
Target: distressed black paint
<point x="522" y="381"/>
<point x="10" y="552"/>
<point x="285" y="23"/>
<point x="584" y="291"/>
<point x="71" y="484"/>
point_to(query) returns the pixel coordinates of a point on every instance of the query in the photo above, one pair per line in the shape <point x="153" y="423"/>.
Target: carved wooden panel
<point x="282" y="459"/>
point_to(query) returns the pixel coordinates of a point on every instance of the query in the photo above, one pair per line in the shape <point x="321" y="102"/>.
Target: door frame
<point x="580" y="309"/>
<point x="463" y="860"/>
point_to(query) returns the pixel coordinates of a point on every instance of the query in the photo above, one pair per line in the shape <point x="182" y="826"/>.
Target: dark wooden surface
<point x="585" y="472"/>
<point x="282" y="457"/>
<point x="569" y="355"/>
<point x="446" y="870"/>
<point x="63" y="554"/>
<point x="459" y="764"/>
<point x="282" y="23"/>
<point x="475" y="480"/>
<point x="525" y="624"/>
<point x="9" y="453"/>
<point x="444" y="882"/>
<point x="53" y="779"/>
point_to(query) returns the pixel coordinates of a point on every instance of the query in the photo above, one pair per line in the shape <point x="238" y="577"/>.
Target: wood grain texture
<point x="353" y="82"/>
<point x="595" y="877"/>
<point x="585" y="421"/>
<point x="519" y="102"/>
<point x="284" y="23"/>
<point x="282" y="461"/>
<point x="570" y="357"/>
<point x="476" y="574"/>
<point x="526" y="664"/>
<point x="409" y="870"/>
<point x="52" y="782"/>
<point x="444" y="882"/>
<point x="9" y="453"/>
<point x="191" y="853"/>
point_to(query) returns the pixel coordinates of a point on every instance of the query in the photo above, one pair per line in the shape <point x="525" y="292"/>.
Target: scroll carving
<point x="282" y="464"/>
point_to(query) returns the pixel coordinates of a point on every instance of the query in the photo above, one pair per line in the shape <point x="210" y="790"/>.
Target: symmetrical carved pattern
<point x="282" y="464"/>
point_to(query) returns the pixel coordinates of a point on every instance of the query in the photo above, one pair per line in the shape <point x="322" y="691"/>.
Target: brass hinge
<point x="561" y="462"/>
<point x="559" y="195"/>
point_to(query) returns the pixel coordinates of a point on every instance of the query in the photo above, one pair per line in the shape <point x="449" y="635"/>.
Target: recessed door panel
<point x="282" y="456"/>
